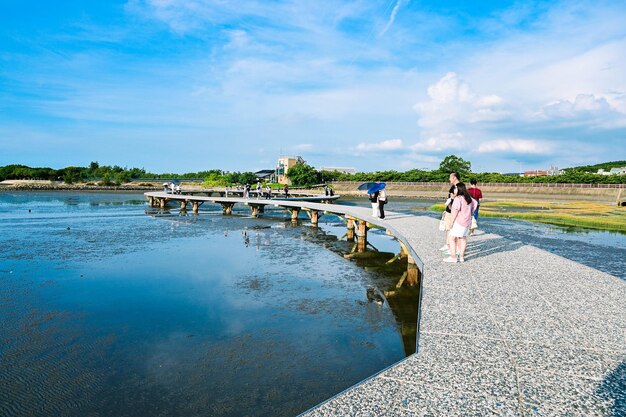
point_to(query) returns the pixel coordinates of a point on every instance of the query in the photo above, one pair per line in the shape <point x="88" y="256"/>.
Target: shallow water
<point x="107" y="310"/>
<point x="605" y="251"/>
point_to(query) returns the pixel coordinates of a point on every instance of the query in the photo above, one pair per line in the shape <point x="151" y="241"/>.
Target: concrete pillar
<point x="350" y="232"/>
<point x="183" y="205"/>
<point x="294" y="213"/>
<point x="196" y="206"/>
<point x="314" y="217"/>
<point x="255" y="210"/>
<point x="413" y="273"/>
<point x="227" y="208"/>
<point x="162" y="202"/>
<point x="361" y="236"/>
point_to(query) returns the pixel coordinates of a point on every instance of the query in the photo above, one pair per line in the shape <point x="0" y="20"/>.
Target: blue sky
<point x="187" y="85"/>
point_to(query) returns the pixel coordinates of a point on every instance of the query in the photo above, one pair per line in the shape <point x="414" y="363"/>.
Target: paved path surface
<point x="513" y="331"/>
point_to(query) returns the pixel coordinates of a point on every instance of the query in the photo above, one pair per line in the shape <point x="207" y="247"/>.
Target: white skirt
<point x="459" y="231"/>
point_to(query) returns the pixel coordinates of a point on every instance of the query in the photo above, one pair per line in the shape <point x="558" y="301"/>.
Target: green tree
<point x="303" y="175"/>
<point x="454" y="163"/>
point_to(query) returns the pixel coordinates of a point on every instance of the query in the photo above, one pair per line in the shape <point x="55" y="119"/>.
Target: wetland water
<point x="108" y="310"/>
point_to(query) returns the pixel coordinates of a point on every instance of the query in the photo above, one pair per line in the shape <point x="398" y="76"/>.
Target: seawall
<point x="605" y="193"/>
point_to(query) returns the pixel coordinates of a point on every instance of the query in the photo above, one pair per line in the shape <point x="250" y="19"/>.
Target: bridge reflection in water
<point x="394" y="278"/>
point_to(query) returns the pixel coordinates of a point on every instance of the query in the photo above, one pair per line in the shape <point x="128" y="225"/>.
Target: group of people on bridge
<point x="460" y="217"/>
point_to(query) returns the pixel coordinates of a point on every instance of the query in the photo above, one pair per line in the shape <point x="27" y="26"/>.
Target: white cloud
<point x="392" y="17"/>
<point x="384" y="146"/>
<point x="584" y="104"/>
<point x="303" y="147"/>
<point x="453" y="103"/>
<point x="441" y="142"/>
<point x="518" y="146"/>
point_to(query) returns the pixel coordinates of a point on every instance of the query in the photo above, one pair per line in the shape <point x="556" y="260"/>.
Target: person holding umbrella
<point x="374" y="200"/>
<point x="379" y="188"/>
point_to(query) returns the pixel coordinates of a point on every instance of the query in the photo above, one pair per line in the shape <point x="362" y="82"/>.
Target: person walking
<point x="476" y="195"/>
<point x="286" y="190"/>
<point x="258" y="189"/>
<point x="454" y="178"/>
<point x="374" y="200"/>
<point x="382" y="200"/>
<point x="166" y="187"/>
<point x="461" y="211"/>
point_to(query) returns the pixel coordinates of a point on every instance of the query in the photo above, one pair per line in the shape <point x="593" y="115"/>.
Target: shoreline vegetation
<point x="584" y="214"/>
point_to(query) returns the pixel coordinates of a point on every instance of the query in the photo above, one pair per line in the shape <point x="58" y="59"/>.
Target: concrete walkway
<point x="514" y="331"/>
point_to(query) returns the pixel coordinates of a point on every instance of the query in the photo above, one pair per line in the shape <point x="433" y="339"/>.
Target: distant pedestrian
<point x="268" y="192"/>
<point x="286" y="190"/>
<point x="177" y="188"/>
<point x="327" y="190"/>
<point x="462" y="211"/>
<point x="246" y="191"/>
<point x="374" y="200"/>
<point x="476" y="195"/>
<point x="258" y="189"/>
<point x="382" y="200"/>
<point x="172" y="190"/>
<point x="166" y="187"/>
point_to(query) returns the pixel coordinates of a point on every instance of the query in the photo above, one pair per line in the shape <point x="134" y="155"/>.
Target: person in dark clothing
<point x="382" y="200"/>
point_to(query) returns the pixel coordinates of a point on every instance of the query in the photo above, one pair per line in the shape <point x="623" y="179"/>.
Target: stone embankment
<point x="605" y="193"/>
<point x="22" y="185"/>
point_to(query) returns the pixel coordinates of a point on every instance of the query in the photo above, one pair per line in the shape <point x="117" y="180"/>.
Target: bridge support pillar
<point x="350" y="232"/>
<point x="294" y="213"/>
<point x="162" y="202"/>
<point x="361" y="234"/>
<point x="315" y="217"/>
<point x="196" y="207"/>
<point x="183" y="205"/>
<point x="227" y="208"/>
<point x="413" y="272"/>
<point x="255" y="210"/>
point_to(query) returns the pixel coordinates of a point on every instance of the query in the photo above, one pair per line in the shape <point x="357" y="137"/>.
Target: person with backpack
<point x="462" y="211"/>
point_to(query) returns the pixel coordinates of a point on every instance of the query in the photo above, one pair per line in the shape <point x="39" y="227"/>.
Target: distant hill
<point x="594" y="168"/>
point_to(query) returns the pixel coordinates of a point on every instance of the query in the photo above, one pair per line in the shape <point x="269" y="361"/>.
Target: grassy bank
<point x="574" y="214"/>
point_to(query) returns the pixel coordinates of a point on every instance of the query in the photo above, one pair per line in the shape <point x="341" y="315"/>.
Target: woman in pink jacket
<point x="463" y="209"/>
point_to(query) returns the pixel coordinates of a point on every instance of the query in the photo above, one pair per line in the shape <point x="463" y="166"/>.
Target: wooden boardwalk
<point x="513" y="331"/>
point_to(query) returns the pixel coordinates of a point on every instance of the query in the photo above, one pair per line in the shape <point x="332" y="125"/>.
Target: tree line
<point x="303" y="174"/>
<point x="306" y="175"/>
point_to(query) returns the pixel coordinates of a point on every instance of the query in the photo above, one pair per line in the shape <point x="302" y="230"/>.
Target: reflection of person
<point x="382" y="200"/>
<point x="374" y="200"/>
<point x="462" y="211"/>
<point x="476" y="195"/>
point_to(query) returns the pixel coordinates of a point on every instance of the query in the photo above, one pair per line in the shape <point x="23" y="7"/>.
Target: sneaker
<point x="450" y="260"/>
<point x="444" y="247"/>
<point x="461" y="260"/>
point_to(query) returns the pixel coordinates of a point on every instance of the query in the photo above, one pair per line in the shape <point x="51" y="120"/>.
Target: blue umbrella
<point x="175" y="181"/>
<point x="366" y="185"/>
<point x="376" y="187"/>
